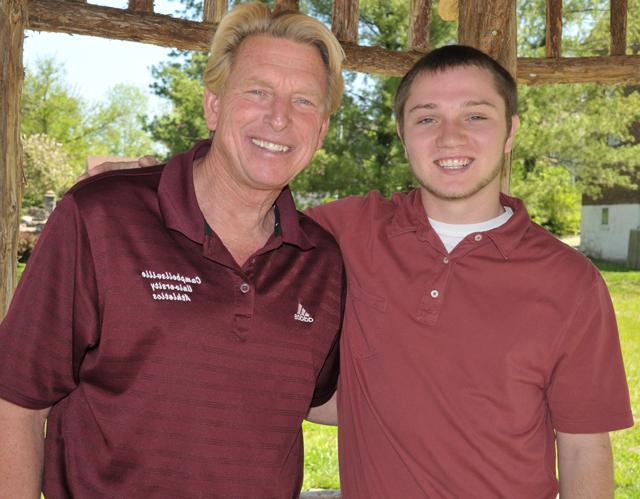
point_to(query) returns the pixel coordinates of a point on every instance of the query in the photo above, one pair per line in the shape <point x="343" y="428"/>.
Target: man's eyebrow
<point x="469" y="103"/>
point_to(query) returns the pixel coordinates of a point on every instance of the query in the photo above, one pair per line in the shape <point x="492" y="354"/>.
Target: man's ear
<point x="508" y="145"/>
<point x="211" y="105"/>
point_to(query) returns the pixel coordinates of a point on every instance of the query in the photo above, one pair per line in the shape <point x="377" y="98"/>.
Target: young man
<point x="175" y="324"/>
<point x="473" y="340"/>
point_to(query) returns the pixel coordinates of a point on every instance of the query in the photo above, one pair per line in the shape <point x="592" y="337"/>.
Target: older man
<point x="175" y="324"/>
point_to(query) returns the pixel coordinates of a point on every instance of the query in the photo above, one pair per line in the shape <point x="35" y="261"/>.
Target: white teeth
<point x="453" y="164"/>
<point x="270" y="146"/>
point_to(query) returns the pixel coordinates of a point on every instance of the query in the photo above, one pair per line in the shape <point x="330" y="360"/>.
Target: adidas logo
<point x="302" y="315"/>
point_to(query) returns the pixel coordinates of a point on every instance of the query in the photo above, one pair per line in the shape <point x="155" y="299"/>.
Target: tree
<point x="566" y="137"/>
<point x="51" y="107"/>
<point x="47" y="167"/>
<point x="61" y="129"/>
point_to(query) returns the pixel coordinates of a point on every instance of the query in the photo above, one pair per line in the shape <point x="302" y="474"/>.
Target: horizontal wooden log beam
<point x="118" y="24"/>
<point x="93" y="20"/>
<point x="608" y="69"/>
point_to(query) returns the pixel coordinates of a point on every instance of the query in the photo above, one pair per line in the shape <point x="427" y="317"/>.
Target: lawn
<point x="321" y="464"/>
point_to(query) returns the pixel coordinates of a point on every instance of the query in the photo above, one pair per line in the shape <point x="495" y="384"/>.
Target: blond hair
<point x="257" y="19"/>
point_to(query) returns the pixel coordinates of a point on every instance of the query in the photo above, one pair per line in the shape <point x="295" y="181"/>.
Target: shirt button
<point x="244" y="287"/>
<point x="445" y="259"/>
<point x="478" y="237"/>
<point x="434" y="293"/>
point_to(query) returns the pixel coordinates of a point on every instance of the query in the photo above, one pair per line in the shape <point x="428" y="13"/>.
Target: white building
<point x="609" y="224"/>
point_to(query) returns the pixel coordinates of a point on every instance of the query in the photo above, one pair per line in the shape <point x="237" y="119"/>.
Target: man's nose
<point x="450" y="134"/>
<point x="279" y="114"/>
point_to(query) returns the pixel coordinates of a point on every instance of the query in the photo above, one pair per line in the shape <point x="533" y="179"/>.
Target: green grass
<point x="624" y="286"/>
<point x="321" y="462"/>
<point x="20" y="269"/>
<point x="320" y="457"/>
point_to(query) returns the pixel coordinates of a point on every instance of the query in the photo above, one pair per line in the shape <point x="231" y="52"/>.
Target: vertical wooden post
<point x="344" y="23"/>
<point x="13" y="18"/>
<point x="553" y="45"/>
<point x="213" y="10"/>
<point x="618" y="27"/>
<point x="490" y="26"/>
<point x="141" y="6"/>
<point x="419" y="24"/>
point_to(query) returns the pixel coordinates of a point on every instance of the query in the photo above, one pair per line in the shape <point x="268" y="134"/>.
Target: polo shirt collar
<point x="180" y="210"/>
<point x="410" y="216"/>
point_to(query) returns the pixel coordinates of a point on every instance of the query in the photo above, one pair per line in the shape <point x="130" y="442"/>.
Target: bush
<point x="26" y="243"/>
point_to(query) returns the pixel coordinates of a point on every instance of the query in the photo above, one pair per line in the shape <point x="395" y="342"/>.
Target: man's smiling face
<point x="272" y="114"/>
<point x="456" y="135"/>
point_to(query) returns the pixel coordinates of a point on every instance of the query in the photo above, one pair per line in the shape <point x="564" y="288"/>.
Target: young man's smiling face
<point x="455" y="136"/>
<point x="272" y="115"/>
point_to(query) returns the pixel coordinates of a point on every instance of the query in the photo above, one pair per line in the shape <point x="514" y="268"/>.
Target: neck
<point x="461" y="211"/>
<point x="243" y="218"/>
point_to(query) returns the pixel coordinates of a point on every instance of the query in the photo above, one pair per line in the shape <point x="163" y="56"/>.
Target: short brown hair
<point x="257" y="19"/>
<point x="454" y="56"/>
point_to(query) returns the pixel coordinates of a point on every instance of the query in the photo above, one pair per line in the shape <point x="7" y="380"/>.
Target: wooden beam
<point x="213" y="10"/>
<point x="419" y="24"/>
<point x="47" y="15"/>
<point x="119" y="24"/>
<point x="490" y="26"/>
<point x="608" y="70"/>
<point x="345" y="18"/>
<point x="618" y="27"/>
<point x="287" y="5"/>
<point x="141" y="5"/>
<point x="553" y="46"/>
<point x="13" y="19"/>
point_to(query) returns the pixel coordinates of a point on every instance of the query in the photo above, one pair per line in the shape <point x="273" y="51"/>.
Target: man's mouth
<point x="453" y="163"/>
<point x="270" y="146"/>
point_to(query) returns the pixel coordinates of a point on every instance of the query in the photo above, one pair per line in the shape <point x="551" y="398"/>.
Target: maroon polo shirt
<point x="172" y="372"/>
<point x="457" y="368"/>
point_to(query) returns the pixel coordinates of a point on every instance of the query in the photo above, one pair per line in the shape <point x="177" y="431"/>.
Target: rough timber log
<point x="12" y="23"/>
<point x="419" y="24"/>
<point x="51" y="15"/>
<point x="618" y="27"/>
<point x="344" y="23"/>
<point x="491" y="27"/>
<point x="554" y="28"/>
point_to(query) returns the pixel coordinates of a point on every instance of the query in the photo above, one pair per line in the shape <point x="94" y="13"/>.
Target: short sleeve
<point x="53" y="318"/>
<point x="588" y="390"/>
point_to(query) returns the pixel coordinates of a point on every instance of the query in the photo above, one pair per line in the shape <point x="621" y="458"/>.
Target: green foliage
<point x="47" y="167"/>
<point x="60" y="129"/>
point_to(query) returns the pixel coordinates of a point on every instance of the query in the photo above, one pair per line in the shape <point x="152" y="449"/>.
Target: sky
<point x="93" y="65"/>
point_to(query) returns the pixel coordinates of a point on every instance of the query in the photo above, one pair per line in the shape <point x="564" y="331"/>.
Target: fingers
<point x="108" y="166"/>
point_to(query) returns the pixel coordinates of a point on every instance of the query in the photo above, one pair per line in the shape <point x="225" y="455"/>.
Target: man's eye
<point x="258" y="92"/>
<point x="477" y="117"/>
<point x="426" y="121"/>
<point x="303" y="101"/>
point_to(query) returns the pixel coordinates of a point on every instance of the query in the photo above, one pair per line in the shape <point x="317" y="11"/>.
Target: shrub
<point x="26" y="242"/>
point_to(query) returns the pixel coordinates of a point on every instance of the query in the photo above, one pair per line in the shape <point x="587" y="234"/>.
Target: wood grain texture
<point x="344" y="23"/>
<point x="553" y="47"/>
<point x="419" y="25"/>
<point x="13" y="19"/>
<point x="141" y="5"/>
<point x="287" y="5"/>
<point x="490" y="26"/>
<point x="618" y="27"/>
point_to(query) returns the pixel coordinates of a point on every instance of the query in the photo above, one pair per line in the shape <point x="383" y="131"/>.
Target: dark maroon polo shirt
<point x="172" y="372"/>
